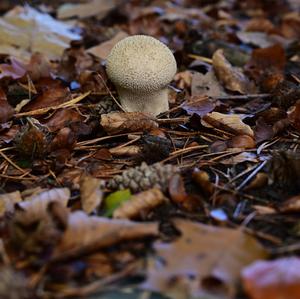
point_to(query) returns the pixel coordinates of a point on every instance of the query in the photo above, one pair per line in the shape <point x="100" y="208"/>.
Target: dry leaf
<point x="125" y="151"/>
<point x="231" y="123"/>
<point x="206" y="85"/>
<point x="26" y="28"/>
<point x="140" y="204"/>
<point x="200" y="105"/>
<point x="104" y="48"/>
<point x="91" y="194"/>
<point x="202" y="179"/>
<point x="40" y="201"/>
<point x="241" y="141"/>
<point x="278" y="279"/>
<point x="291" y="205"/>
<point x="7" y="202"/>
<point x="85" y="234"/>
<point x="99" y="8"/>
<point x="204" y="259"/>
<point x="240" y="158"/>
<point x="120" y="122"/>
<point x="232" y="78"/>
<point x="6" y="111"/>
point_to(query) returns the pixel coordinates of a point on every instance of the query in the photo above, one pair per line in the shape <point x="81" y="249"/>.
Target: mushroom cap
<point x="141" y="63"/>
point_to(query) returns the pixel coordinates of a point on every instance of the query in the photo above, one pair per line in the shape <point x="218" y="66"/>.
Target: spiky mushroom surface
<point x="141" y="67"/>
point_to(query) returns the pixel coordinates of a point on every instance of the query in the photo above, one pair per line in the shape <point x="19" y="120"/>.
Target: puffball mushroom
<point x="141" y="67"/>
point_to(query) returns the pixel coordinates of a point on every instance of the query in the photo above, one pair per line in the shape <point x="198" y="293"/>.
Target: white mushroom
<point x="141" y="67"/>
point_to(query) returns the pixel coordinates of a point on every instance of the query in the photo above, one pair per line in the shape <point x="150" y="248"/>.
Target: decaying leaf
<point x="206" y="85"/>
<point x="38" y="203"/>
<point x="97" y="8"/>
<point x="104" y="48"/>
<point x="199" y="105"/>
<point x="204" y="259"/>
<point x="86" y="234"/>
<point x="231" y="123"/>
<point x="276" y="279"/>
<point x="118" y="122"/>
<point x="91" y="194"/>
<point x="232" y="78"/>
<point x="139" y="204"/>
<point x="290" y="205"/>
<point x="7" y="202"/>
<point x="26" y="28"/>
<point x="6" y="110"/>
<point x="201" y="178"/>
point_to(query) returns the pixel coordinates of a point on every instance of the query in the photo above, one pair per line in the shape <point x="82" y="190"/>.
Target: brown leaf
<point x="177" y="189"/>
<point x="7" y="202"/>
<point x="14" y="70"/>
<point x="91" y="193"/>
<point x="276" y="279"/>
<point x="232" y="78"/>
<point x="200" y="105"/>
<point x="260" y="25"/>
<point x="206" y="85"/>
<point x="290" y="205"/>
<point x="126" y="151"/>
<point x="266" y="66"/>
<point x="240" y="158"/>
<point x="139" y="205"/>
<point x="62" y="118"/>
<point x="104" y="48"/>
<point x="204" y="259"/>
<point x="241" y="141"/>
<point x="52" y="93"/>
<point x="201" y="178"/>
<point x="6" y="111"/>
<point x="99" y="8"/>
<point x="121" y="122"/>
<point x="86" y="234"/>
<point x="231" y="123"/>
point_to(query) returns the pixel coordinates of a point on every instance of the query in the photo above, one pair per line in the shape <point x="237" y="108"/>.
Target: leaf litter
<point x="189" y="204"/>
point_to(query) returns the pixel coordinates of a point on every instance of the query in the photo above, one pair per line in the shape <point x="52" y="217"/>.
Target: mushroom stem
<point x="153" y="102"/>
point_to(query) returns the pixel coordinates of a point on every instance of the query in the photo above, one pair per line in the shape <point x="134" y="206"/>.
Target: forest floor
<point x="201" y="201"/>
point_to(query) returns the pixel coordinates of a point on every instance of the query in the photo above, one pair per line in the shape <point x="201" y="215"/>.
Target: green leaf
<point x="114" y="200"/>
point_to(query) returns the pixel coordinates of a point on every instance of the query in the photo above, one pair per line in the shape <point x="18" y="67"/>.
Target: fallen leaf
<point x="85" y="234"/>
<point x="38" y="203"/>
<point x="120" y="122"/>
<point x="115" y="199"/>
<point x="241" y="141"/>
<point x="201" y="178"/>
<point x="206" y="85"/>
<point x="259" y="39"/>
<point x="104" y="48"/>
<point x="203" y="260"/>
<point x="7" y="202"/>
<point x="232" y="78"/>
<point x="231" y="123"/>
<point x="291" y="205"/>
<point x="62" y="118"/>
<point x="91" y="194"/>
<point x="139" y="204"/>
<point x="200" y="105"/>
<point x="240" y="158"/>
<point x="6" y="111"/>
<point x="26" y="28"/>
<point x="266" y="66"/>
<point x="14" y="70"/>
<point x="51" y="93"/>
<point x="276" y="279"/>
<point x="99" y="8"/>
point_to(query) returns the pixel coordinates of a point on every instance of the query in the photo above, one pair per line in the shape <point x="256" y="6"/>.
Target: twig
<point x="110" y="93"/>
<point x="251" y="175"/>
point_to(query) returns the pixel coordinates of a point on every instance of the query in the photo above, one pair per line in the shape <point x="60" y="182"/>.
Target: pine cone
<point x="144" y="177"/>
<point x="107" y="105"/>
